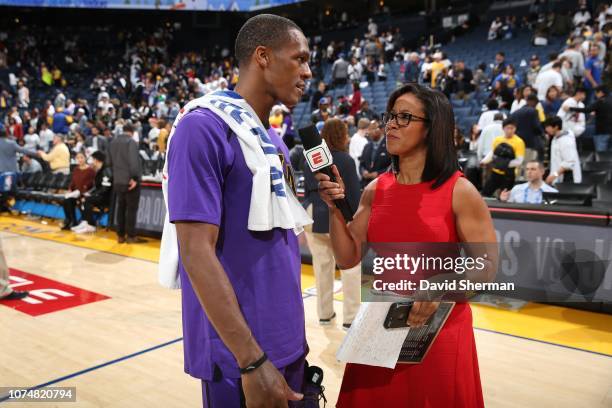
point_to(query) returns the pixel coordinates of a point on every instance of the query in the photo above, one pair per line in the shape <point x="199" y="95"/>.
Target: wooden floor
<point x="126" y="351"/>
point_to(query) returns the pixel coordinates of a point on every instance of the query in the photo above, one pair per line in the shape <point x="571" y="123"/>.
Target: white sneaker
<point x="78" y="227"/>
<point x="86" y="229"/>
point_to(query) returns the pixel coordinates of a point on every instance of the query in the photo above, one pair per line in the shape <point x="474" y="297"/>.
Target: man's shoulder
<point x="520" y="187"/>
<point x="201" y="120"/>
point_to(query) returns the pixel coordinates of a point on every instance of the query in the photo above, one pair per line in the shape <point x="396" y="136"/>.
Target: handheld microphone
<point x="320" y="159"/>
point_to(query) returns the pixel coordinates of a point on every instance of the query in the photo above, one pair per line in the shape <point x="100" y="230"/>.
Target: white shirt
<point x="356" y="146"/>
<point x="581" y="17"/>
<point x="46" y="137"/>
<point x="516" y="105"/>
<point x="545" y="80"/>
<point x="563" y="154"/>
<point x="24" y="97"/>
<point x="522" y="194"/>
<point x="485" y="141"/>
<point x="31" y="141"/>
<point x="486" y="118"/>
<point x="572" y="121"/>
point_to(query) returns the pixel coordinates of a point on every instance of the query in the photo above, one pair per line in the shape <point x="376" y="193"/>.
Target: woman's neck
<point x="411" y="167"/>
<point x="83" y="166"/>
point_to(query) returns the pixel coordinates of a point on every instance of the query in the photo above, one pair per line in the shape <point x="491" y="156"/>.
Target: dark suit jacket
<point x="382" y="158"/>
<point x="102" y="143"/>
<point x="528" y="126"/>
<point x="124" y="161"/>
<point x="320" y="212"/>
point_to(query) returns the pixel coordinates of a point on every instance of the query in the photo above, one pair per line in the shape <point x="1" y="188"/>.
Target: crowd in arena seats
<point x="57" y="94"/>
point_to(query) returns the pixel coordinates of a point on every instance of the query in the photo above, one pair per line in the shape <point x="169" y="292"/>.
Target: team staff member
<point x="241" y="294"/>
<point x="424" y="199"/>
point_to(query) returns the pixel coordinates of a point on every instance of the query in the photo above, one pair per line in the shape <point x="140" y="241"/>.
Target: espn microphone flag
<point x="319" y="159"/>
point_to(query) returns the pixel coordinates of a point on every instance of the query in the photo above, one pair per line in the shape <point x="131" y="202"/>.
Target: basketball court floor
<point x="97" y="320"/>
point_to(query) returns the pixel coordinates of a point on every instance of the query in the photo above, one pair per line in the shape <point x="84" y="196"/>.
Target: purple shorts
<point x="224" y="392"/>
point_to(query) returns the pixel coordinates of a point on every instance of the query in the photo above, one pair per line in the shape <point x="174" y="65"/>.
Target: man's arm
<point x="265" y="386"/>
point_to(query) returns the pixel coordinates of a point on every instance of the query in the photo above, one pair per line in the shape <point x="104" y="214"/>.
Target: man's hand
<point x="132" y="185"/>
<point x="265" y="387"/>
<point x="551" y="179"/>
<point x="420" y="313"/>
<point x="504" y="195"/>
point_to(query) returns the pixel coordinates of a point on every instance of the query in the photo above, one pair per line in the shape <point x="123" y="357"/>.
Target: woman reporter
<point x="424" y="198"/>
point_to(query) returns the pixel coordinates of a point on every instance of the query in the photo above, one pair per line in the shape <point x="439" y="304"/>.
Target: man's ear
<point x="262" y="56"/>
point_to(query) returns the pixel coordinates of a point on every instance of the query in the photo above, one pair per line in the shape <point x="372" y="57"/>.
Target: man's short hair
<point x="127" y="128"/>
<point x="533" y="98"/>
<point x="266" y="30"/>
<point x="603" y="89"/>
<point x="554" y="121"/>
<point x="363" y="123"/>
<point x="580" y="89"/>
<point x="539" y="163"/>
<point x="492" y="104"/>
<point x="99" y="156"/>
<point x="509" y="122"/>
<point x="501" y="53"/>
<point x="498" y="116"/>
<point x="556" y="65"/>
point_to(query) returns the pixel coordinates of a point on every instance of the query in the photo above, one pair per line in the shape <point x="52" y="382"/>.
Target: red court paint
<point x="46" y="295"/>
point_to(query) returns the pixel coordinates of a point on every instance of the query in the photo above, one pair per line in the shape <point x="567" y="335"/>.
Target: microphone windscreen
<point x="310" y="137"/>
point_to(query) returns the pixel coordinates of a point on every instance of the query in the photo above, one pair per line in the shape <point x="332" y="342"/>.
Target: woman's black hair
<point x="441" y="160"/>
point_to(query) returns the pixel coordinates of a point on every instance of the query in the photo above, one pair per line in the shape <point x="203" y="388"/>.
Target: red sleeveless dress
<point x="448" y="377"/>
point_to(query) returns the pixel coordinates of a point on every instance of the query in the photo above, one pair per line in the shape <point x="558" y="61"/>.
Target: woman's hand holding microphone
<point x="329" y="190"/>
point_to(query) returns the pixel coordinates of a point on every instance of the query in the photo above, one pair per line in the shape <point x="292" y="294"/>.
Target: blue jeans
<point x="601" y="142"/>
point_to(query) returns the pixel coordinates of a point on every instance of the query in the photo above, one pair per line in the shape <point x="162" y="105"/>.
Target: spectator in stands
<point x="552" y="102"/>
<point x="358" y="142"/>
<point x="572" y="120"/>
<point x="316" y="97"/>
<point x="58" y="157"/>
<point x="505" y="84"/>
<point x="124" y="161"/>
<point x="474" y="136"/>
<point x="30" y="165"/>
<point x="436" y="68"/>
<point x="602" y="108"/>
<point x="374" y="159"/>
<point x="521" y="100"/>
<point x="533" y="70"/>
<point x="8" y="153"/>
<point x="23" y="96"/>
<point x="529" y="128"/>
<point x="412" y="69"/>
<point x="564" y="157"/>
<point x="548" y="78"/>
<point x="494" y="29"/>
<point x="576" y="58"/>
<point x="340" y="71"/>
<point x="355" y="70"/>
<point x="370" y="69"/>
<point x="481" y="79"/>
<point x="507" y="155"/>
<point x="366" y="112"/>
<point x="164" y="133"/>
<point x="321" y="114"/>
<point x="486" y="118"/>
<point x="355" y="100"/>
<point x="99" y="196"/>
<point x="31" y="139"/>
<point x="381" y="71"/>
<point x="336" y="136"/>
<point x="46" y="137"/>
<point x="461" y="79"/>
<point x="96" y="141"/>
<point x="488" y="134"/>
<point x="15" y="129"/>
<point x="593" y="69"/>
<point x="500" y="64"/>
<point x="61" y="121"/>
<point x="532" y="191"/>
<point x="82" y="180"/>
<point x="582" y="16"/>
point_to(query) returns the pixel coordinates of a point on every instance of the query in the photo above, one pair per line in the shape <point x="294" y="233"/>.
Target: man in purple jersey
<point x="243" y="315"/>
